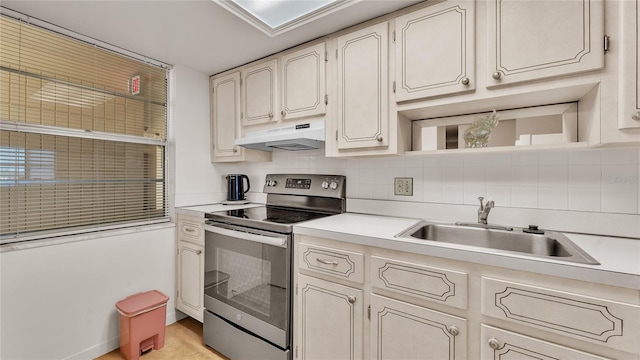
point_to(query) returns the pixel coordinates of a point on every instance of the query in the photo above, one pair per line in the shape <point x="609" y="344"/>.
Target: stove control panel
<point x="306" y="184"/>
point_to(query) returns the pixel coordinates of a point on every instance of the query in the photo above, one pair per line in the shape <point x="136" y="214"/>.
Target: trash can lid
<point x="141" y="302"/>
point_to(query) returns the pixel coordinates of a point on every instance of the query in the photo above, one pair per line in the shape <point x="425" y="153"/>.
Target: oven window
<point x="249" y="276"/>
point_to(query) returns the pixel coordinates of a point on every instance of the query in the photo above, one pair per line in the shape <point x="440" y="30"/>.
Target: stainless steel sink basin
<point x="550" y="245"/>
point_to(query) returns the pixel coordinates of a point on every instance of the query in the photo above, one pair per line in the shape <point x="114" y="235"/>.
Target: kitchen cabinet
<point x="497" y="344"/>
<point x="225" y="122"/>
<point x="435" y="51"/>
<point x="190" y="265"/>
<point x="259" y="86"/>
<point x="418" y="304"/>
<point x="303" y="83"/>
<point x="400" y="330"/>
<point x="532" y="40"/>
<point x="587" y="318"/>
<point x="190" y="284"/>
<point x="629" y="78"/>
<point x="329" y="320"/>
<point x="363" y="88"/>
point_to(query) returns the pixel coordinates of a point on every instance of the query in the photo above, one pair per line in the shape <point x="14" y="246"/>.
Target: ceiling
<point x="199" y="34"/>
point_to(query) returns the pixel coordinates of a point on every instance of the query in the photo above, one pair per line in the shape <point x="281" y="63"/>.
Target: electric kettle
<point x="235" y="187"/>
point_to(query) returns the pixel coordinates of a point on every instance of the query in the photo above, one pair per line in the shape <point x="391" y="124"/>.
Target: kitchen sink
<point x="550" y="245"/>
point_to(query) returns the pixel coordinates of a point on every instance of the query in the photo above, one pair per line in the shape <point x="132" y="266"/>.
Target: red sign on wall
<point x="134" y="85"/>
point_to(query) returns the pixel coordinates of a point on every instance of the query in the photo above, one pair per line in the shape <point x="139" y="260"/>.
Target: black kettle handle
<point x="248" y="183"/>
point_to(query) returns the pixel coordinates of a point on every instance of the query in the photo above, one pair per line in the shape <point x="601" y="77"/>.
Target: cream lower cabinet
<point x="417" y="306"/>
<point x="190" y="276"/>
<point x="400" y="330"/>
<point x="506" y="345"/>
<point x="329" y="320"/>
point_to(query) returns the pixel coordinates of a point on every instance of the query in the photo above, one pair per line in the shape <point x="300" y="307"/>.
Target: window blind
<point x="82" y="135"/>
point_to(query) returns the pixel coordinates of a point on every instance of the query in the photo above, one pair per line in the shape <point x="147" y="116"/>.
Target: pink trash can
<point x="142" y="323"/>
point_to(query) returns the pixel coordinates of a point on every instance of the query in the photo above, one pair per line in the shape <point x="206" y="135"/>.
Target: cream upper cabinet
<point x="303" y="83"/>
<point x="329" y="320"/>
<point x="400" y="330"/>
<point x="435" y="51"/>
<point x="531" y="40"/>
<point x="225" y="122"/>
<point x="225" y="117"/>
<point x="363" y="88"/>
<point x="629" y="79"/>
<point x="259" y="99"/>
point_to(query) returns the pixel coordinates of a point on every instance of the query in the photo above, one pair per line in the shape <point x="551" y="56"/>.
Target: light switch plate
<point x="403" y="186"/>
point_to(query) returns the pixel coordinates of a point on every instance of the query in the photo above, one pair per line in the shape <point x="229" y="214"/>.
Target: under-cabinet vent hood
<point x="295" y="137"/>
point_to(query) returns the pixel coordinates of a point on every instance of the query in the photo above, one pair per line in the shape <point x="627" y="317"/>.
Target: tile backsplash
<point x="595" y="180"/>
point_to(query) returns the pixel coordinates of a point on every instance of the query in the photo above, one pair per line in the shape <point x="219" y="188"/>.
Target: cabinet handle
<point x="496" y="75"/>
<point x="453" y="330"/>
<point x="189" y="230"/>
<point x="351" y="298"/>
<point x="283" y="113"/>
<point x="235" y="150"/>
<point x="379" y="138"/>
<point x="271" y="115"/>
<point x="199" y="252"/>
<point x="494" y="343"/>
<point x="636" y="116"/>
<point x="326" y="262"/>
<point x="464" y="81"/>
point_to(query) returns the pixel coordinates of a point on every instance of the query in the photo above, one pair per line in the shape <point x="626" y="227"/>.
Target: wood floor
<point x="182" y="340"/>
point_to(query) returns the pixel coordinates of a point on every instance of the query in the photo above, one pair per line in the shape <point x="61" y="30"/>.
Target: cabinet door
<point x="403" y="331"/>
<point x="190" y="279"/>
<point x="505" y="345"/>
<point x="259" y="93"/>
<point x="363" y="88"/>
<point x="629" y="80"/>
<point x="530" y="40"/>
<point x="303" y="83"/>
<point x="329" y="320"/>
<point x="225" y="117"/>
<point x="435" y="51"/>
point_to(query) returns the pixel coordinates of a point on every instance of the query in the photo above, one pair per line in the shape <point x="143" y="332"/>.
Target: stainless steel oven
<point x="248" y="265"/>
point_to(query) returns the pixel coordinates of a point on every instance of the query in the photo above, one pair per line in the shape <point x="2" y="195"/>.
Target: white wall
<point x="58" y="302"/>
<point x="197" y="180"/>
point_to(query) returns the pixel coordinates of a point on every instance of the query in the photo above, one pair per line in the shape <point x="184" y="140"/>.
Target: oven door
<point x="247" y="279"/>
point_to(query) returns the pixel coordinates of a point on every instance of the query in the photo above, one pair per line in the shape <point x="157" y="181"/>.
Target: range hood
<point x="294" y="137"/>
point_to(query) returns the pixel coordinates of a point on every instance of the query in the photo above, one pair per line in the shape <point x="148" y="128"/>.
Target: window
<point x="82" y="135"/>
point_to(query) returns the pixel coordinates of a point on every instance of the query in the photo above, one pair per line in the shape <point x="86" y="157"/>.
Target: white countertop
<point x="619" y="257"/>
<point x="200" y="210"/>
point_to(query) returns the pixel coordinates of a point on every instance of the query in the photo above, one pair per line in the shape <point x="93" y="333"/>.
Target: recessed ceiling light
<point x="274" y="17"/>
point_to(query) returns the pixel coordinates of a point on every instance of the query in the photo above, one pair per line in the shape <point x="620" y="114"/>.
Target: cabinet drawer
<point x="594" y="320"/>
<point x="335" y="262"/>
<point x="424" y="282"/>
<point x="497" y="344"/>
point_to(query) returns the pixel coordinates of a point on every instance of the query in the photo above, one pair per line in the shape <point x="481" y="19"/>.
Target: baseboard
<point x="111" y="344"/>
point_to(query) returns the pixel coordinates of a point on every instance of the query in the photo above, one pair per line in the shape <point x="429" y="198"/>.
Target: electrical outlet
<point x="403" y="186"/>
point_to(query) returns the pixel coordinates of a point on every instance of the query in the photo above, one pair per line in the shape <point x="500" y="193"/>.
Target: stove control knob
<point x="268" y="182"/>
<point x="325" y="184"/>
<point x="334" y="185"/>
<point x="274" y="182"/>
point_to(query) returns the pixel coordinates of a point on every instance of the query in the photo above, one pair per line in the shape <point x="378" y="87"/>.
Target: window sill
<point x="58" y="240"/>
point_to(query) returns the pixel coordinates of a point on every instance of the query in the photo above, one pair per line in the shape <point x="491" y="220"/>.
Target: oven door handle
<point x="269" y="240"/>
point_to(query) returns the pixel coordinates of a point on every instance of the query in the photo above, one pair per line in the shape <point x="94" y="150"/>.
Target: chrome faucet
<point x="483" y="210"/>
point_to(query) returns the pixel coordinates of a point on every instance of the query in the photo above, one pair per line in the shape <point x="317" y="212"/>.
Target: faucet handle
<point x="481" y="201"/>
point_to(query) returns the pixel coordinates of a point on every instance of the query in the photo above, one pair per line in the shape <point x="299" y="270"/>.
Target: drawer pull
<point x="453" y="330"/>
<point x="351" y="298"/>
<point x="326" y="262"/>
<point x="494" y="343"/>
<point x="189" y="230"/>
